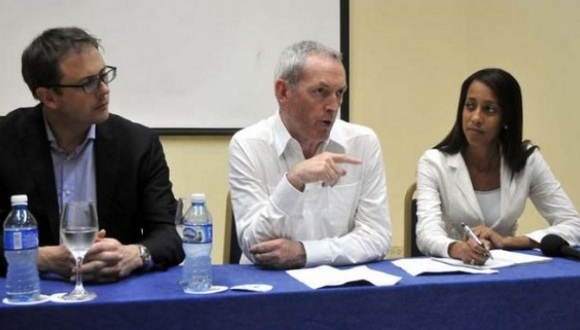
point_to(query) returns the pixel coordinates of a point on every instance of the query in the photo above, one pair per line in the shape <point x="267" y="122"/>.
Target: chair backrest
<point x="232" y="251"/>
<point x="410" y="246"/>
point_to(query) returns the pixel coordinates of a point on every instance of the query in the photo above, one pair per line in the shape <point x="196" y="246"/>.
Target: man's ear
<point x="46" y="96"/>
<point x="282" y="89"/>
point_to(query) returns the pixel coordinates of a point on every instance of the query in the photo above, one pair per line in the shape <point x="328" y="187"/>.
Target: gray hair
<point x="293" y="58"/>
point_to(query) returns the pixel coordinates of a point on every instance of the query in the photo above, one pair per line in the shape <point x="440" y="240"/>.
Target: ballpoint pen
<point x="471" y="234"/>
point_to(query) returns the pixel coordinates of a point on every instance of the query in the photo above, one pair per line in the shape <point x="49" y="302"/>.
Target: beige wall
<point x="408" y="59"/>
<point x="200" y="164"/>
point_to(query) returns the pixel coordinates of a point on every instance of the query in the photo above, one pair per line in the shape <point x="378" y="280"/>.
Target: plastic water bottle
<point x="21" y="250"/>
<point x="197" y="240"/>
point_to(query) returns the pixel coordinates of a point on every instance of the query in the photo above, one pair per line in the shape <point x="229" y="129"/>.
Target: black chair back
<point x="411" y="249"/>
<point x="232" y="251"/>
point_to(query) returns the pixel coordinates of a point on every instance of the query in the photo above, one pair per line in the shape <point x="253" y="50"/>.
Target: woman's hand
<point x="495" y="240"/>
<point x="469" y="252"/>
<point x="504" y="242"/>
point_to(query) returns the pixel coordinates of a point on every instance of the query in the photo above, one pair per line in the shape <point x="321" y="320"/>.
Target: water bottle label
<point x="20" y="239"/>
<point x="200" y="233"/>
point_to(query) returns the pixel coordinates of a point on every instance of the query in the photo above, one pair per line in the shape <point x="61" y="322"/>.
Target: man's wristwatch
<point x="146" y="258"/>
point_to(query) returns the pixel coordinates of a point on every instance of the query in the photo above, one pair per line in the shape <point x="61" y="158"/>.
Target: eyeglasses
<point x="107" y="75"/>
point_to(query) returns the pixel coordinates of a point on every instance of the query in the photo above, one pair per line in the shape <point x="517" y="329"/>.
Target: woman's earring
<point x="505" y="127"/>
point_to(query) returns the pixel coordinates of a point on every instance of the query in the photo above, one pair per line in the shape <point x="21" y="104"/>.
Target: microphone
<point x="555" y="246"/>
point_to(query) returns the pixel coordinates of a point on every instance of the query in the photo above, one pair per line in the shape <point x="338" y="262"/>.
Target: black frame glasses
<point x="107" y="75"/>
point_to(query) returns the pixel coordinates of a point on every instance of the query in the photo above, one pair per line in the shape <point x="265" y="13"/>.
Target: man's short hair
<point x="293" y="58"/>
<point x="40" y="60"/>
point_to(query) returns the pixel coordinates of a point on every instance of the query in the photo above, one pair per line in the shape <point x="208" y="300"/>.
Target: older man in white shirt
<point x="308" y="189"/>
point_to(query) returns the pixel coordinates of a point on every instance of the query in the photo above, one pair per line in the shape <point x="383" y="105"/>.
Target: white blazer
<point x="445" y="198"/>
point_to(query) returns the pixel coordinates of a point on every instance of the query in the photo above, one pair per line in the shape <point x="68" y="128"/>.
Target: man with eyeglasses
<point x="69" y="147"/>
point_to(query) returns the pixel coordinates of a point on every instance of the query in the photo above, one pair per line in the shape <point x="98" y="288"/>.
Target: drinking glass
<point x="78" y="231"/>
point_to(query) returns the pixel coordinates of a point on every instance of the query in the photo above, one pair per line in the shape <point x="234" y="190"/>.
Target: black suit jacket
<point x="135" y="203"/>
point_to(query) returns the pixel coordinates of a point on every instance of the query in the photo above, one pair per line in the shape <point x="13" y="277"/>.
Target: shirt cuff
<point x="315" y="255"/>
<point x="537" y="235"/>
<point x="443" y="249"/>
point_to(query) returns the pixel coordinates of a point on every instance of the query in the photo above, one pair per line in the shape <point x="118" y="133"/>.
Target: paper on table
<point x="322" y="276"/>
<point x="418" y="266"/>
<point x="501" y="258"/>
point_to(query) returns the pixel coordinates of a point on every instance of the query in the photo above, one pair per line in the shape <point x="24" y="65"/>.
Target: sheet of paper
<point x="489" y="264"/>
<point x="501" y="258"/>
<point x="518" y="258"/>
<point x="322" y="276"/>
<point x="418" y="266"/>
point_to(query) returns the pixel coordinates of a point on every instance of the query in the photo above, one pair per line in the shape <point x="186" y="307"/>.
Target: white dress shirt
<point x="345" y="224"/>
<point x="445" y="198"/>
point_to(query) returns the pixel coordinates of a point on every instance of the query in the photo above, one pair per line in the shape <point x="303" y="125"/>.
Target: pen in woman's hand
<point x="472" y="235"/>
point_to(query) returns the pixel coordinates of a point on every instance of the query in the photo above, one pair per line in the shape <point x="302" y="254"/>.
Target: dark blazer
<point x="135" y="203"/>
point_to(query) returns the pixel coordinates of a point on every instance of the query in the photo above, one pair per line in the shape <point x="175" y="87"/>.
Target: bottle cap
<point x="19" y="199"/>
<point x="198" y="198"/>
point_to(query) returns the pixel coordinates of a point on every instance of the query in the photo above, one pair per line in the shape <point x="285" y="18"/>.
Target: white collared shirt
<point x="345" y="224"/>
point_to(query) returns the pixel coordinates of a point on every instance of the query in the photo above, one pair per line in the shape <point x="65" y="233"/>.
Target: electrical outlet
<point x="396" y="251"/>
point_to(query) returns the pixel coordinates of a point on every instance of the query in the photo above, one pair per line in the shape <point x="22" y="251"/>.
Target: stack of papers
<point x="322" y="276"/>
<point x="418" y="266"/>
<point x="501" y="258"/>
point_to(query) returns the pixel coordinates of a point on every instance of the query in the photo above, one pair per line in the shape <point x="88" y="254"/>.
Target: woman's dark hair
<point x="509" y="96"/>
<point x="40" y="60"/>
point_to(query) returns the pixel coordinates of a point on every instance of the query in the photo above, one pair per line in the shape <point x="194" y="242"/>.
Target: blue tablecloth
<point x="534" y="296"/>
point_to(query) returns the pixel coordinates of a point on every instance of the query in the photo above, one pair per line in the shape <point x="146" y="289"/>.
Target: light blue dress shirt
<point x="74" y="172"/>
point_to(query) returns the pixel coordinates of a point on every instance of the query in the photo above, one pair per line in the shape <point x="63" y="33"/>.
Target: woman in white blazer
<point x="482" y="173"/>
